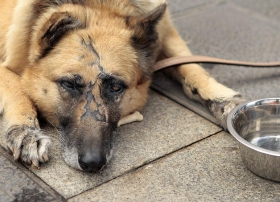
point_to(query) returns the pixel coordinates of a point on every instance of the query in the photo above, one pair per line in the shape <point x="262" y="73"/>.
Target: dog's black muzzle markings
<point x="94" y="147"/>
<point x="87" y="140"/>
<point x="89" y="147"/>
<point x="95" y="135"/>
<point x="96" y="104"/>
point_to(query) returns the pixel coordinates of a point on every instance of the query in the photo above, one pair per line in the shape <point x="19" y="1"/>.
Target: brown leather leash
<point x="169" y="62"/>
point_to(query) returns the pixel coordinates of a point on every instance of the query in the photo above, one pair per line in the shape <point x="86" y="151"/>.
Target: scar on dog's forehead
<point x="88" y="45"/>
<point x="93" y="59"/>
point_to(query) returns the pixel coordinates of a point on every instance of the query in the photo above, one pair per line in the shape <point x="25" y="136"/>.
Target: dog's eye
<point x="112" y="88"/>
<point x="68" y="85"/>
<point x="116" y="88"/>
<point x="72" y="84"/>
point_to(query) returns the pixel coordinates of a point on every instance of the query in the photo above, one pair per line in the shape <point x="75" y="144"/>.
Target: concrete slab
<point x="210" y="170"/>
<point x="16" y="185"/>
<point x="177" y="6"/>
<point x="166" y="128"/>
<point x="269" y="8"/>
<point x="229" y="32"/>
<point x="174" y="91"/>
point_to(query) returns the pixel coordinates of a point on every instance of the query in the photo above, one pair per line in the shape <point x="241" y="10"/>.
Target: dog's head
<point x="88" y="68"/>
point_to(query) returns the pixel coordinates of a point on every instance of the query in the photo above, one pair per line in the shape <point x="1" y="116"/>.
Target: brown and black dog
<point x="83" y="65"/>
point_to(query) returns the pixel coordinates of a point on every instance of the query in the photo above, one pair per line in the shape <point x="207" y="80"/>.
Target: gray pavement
<point x="175" y="154"/>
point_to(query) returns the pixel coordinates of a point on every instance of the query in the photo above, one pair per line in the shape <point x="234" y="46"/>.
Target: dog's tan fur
<point x="100" y="39"/>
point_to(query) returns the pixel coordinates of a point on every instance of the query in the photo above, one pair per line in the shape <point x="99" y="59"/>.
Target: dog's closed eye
<point x="72" y="85"/>
<point x="68" y="85"/>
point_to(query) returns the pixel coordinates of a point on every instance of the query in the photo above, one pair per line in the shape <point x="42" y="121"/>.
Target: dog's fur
<point x="83" y="65"/>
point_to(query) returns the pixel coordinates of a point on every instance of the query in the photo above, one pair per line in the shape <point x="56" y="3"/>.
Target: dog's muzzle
<point x="89" y="161"/>
<point x="92" y="162"/>
<point x="88" y="146"/>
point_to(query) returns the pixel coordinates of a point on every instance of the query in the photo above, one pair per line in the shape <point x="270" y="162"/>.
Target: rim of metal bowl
<point x="233" y="114"/>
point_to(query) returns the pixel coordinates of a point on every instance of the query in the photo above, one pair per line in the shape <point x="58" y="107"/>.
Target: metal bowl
<point x="256" y="125"/>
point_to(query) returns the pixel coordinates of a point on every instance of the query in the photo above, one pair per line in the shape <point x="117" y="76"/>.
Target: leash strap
<point x="169" y="62"/>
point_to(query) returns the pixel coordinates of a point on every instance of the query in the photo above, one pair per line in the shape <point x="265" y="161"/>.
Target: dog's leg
<point x="22" y="131"/>
<point x="196" y="82"/>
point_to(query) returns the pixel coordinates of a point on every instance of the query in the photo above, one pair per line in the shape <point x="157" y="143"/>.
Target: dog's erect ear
<point x="145" y="35"/>
<point x="46" y="36"/>
<point x="148" y="21"/>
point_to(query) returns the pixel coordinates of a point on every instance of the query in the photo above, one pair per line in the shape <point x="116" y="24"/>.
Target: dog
<point x="84" y="65"/>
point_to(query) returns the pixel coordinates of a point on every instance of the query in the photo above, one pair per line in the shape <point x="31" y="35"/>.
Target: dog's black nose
<point x="92" y="163"/>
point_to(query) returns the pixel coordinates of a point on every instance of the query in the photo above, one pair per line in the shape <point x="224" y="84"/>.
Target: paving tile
<point x="17" y="186"/>
<point x="177" y="6"/>
<point x="228" y="32"/>
<point x="166" y="128"/>
<point x="268" y="8"/>
<point x="174" y="91"/>
<point x="210" y="170"/>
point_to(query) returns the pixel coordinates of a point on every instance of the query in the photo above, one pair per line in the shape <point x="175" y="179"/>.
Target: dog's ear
<point x="48" y="33"/>
<point x="147" y="22"/>
<point x="145" y="35"/>
<point x="58" y="25"/>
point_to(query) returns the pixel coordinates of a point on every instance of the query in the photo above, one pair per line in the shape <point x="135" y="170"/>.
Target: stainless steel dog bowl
<point x="256" y="125"/>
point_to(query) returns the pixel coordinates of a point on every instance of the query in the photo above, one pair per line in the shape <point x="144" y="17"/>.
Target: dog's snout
<point x="91" y="162"/>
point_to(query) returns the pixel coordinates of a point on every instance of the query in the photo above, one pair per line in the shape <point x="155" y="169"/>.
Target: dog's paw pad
<point x="28" y="144"/>
<point x="221" y="108"/>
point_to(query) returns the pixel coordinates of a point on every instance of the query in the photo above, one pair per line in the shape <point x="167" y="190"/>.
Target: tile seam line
<point x="179" y="101"/>
<point x="33" y="177"/>
<point x="147" y="163"/>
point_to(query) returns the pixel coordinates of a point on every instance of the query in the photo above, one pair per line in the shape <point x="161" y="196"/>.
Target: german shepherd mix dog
<point x="83" y="65"/>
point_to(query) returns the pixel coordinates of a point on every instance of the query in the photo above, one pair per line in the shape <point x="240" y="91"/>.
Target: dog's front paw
<point x="221" y="108"/>
<point x="28" y="144"/>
